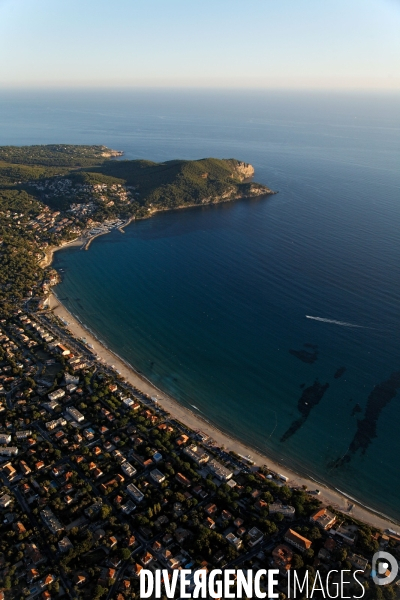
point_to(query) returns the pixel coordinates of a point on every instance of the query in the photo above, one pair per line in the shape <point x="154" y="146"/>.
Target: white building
<point x="56" y="423"/>
<point x="197" y="454"/>
<point x="68" y="378"/>
<point x="22" y="435"/>
<point x="5" y="501"/>
<point x="51" y="520"/>
<point x="71" y="387"/>
<point x="157" y="476"/>
<point x="134" y="492"/>
<point x="256" y="536"/>
<point x="128" y="469"/>
<point x="51" y="405"/>
<point x="8" y="451"/>
<point x="220" y="472"/>
<point x="234" y="540"/>
<point x="287" y="511"/>
<point x="75" y="414"/>
<point x="56" y="395"/>
<point x="128" y="402"/>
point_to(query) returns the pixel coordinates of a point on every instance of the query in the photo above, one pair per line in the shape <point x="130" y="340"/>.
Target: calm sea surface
<point x="208" y="302"/>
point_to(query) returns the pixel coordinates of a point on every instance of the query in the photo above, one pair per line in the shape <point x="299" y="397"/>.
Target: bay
<point x="209" y="302"/>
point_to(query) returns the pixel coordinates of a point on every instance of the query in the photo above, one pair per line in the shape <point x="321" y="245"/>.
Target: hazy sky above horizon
<point x="214" y="43"/>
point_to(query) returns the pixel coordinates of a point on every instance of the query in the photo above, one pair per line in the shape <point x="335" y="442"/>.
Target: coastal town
<point x="98" y="478"/>
<point x="98" y="482"/>
<point x="199" y="300"/>
<point x="49" y="206"/>
<point x="77" y="220"/>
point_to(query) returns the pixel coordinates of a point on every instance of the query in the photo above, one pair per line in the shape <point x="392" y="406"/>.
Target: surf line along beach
<point x="328" y="496"/>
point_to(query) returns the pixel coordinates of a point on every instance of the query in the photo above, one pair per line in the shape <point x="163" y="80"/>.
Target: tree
<point x="314" y="534"/>
<point x="366" y="541"/>
<point x="341" y="554"/>
<point x="285" y="493"/>
<point x="99" y="591"/>
<point x="105" y="511"/>
<point x="278" y="517"/>
<point x="125" y="553"/>
<point x="54" y="587"/>
<point x="309" y="554"/>
<point x="268" y="497"/>
<point x="297" y="562"/>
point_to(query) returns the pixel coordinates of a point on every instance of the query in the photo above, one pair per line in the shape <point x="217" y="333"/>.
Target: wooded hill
<point x="80" y="186"/>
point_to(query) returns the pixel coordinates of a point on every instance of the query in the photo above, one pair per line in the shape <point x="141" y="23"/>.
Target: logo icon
<point x="384" y="568"/>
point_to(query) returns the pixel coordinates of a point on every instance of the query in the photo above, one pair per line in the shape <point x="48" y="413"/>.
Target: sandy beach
<point x="48" y="255"/>
<point x="328" y="496"/>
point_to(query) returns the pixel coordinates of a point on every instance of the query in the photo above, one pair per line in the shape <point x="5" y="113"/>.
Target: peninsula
<point x="50" y="195"/>
<point x="102" y="473"/>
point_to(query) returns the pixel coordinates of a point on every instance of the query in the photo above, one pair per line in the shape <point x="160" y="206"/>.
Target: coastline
<point x="328" y="495"/>
<point x="85" y="240"/>
<point x="49" y="252"/>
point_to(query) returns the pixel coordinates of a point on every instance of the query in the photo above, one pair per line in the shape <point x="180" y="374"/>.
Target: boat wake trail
<point x="342" y="323"/>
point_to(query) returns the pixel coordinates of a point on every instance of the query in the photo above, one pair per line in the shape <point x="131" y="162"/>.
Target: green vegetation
<point x="14" y="174"/>
<point x="69" y="515"/>
<point x="51" y="194"/>
<point x="78" y="472"/>
<point x="19" y="269"/>
<point x="179" y="183"/>
<point x="56" y="155"/>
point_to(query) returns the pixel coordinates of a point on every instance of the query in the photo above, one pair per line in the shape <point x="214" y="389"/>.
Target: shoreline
<point x="46" y="261"/>
<point x="329" y="496"/>
<point x="85" y="240"/>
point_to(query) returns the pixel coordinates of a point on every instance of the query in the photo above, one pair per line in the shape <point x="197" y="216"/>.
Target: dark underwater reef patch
<point x="356" y="409"/>
<point x="307" y="356"/>
<point x="339" y="372"/>
<point x="310" y="397"/>
<point x="378" y="399"/>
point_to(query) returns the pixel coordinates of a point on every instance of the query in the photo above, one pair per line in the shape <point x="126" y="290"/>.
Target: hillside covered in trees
<point x="51" y="194"/>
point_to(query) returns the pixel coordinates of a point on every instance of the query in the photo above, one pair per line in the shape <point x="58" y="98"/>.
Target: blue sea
<point x="212" y="303"/>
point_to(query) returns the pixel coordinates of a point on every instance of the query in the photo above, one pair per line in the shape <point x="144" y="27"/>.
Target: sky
<point x="328" y="44"/>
